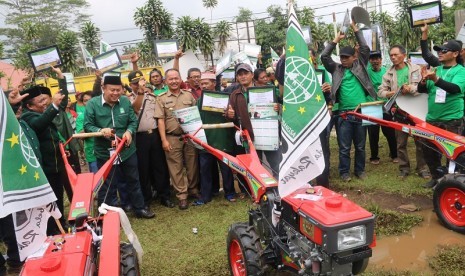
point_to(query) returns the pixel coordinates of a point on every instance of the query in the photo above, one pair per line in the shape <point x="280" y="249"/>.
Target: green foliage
<point x="244" y="15"/>
<point x="146" y="53"/>
<point x="37" y="23"/>
<point x="402" y="33"/>
<point x="154" y="20"/>
<point x="391" y="222"/>
<point x="222" y="31"/>
<point x="272" y="32"/>
<point x="90" y="33"/>
<point x="449" y="260"/>
<point x="67" y="42"/>
<point x="195" y="33"/>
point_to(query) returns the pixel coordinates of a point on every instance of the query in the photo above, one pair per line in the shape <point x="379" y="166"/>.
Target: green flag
<point x="304" y="114"/>
<point x="23" y="184"/>
<point x="274" y="55"/>
<point x="104" y="47"/>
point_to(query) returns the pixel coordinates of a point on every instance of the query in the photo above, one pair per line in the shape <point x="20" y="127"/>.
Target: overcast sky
<point x="115" y="18"/>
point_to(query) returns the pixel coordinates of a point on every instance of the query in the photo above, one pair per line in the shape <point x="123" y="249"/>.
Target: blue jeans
<point x="128" y="172"/>
<point x="93" y="168"/>
<point x="348" y="131"/>
<point x="206" y="162"/>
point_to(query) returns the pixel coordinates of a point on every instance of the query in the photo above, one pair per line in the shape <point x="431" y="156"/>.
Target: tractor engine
<point x="318" y="232"/>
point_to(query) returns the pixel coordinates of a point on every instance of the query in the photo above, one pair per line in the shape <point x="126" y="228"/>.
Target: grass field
<point x="171" y="248"/>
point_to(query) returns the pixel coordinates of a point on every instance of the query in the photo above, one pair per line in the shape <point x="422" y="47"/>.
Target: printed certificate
<point x="44" y="58"/>
<point x="262" y="94"/>
<point x="70" y="85"/>
<point x="214" y="101"/>
<point x="166" y="48"/>
<point x="190" y="121"/>
<point x="108" y="61"/>
<point x="223" y="63"/>
<point x="429" y="13"/>
<point x="265" y="126"/>
<point x="416" y="58"/>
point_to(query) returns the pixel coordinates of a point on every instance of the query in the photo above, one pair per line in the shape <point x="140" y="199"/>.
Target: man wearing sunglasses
<point x="445" y="87"/>
<point x="431" y="59"/>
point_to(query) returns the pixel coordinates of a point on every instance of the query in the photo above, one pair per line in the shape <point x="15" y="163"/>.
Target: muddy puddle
<point x="410" y="251"/>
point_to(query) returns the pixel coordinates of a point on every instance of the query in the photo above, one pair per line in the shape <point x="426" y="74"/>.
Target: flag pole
<point x="335" y="32"/>
<point x="57" y="221"/>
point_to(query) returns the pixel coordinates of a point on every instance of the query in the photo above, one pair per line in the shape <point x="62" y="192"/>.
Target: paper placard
<point x="461" y="34"/>
<point x="228" y="74"/>
<point x="265" y="126"/>
<point x="223" y="63"/>
<point x="70" y="85"/>
<point x="261" y="95"/>
<point x="371" y="38"/>
<point x="251" y="50"/>
<point x="166" y="48"/>
<point x="214" y="101"/>
<point x="320" y="74"/>
<point x="375" y="110"/>
<point x="307" y="34"/>
<point x="429" y="13"/>
<point x="416" y="58"/>
<point x="346" y="23"/>
<point x="44" y="58"/>
<point x="190" y="121"/>
<point x="107" y="61"/>
<point x="241" y="57"/>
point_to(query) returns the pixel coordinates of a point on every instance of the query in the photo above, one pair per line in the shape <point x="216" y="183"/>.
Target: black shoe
<point x="167" y="203"/>
<point x="431" y="183"/>
<point x="127" y="208"/>
<point x="145" y="213"/>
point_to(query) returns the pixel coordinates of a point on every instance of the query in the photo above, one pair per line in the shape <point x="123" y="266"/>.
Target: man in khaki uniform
<point x="177" y="151"/>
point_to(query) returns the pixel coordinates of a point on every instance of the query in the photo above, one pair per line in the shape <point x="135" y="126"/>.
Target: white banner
<point x="31" y="228"/>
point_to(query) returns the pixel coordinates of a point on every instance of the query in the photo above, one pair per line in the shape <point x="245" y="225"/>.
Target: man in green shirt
<point x="112" y="114"/>
<point x="445" y="87"/>
<point x="350" y="87"/>
<point x="376" y="72"/>
<point x="221" y="139"/>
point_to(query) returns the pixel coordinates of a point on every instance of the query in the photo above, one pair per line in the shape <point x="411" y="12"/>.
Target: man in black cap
<point x="445" y="87"/>
<point x="351" y="87"/>
<point x="111" y="115"/>
<point x="153" y="170"/>
<point x="39" y="116"/>
<point x="431" y="59"/>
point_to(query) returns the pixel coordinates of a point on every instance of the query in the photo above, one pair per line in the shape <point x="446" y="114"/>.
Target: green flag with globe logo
<point x="304" y="114"/>
<point x="23" y="184"/>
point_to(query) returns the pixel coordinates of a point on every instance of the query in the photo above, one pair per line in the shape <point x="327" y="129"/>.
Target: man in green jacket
<point x="39" y="117"/>
<point x="112" y="114"/>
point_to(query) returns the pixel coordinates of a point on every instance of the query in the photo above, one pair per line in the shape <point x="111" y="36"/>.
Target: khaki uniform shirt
<point x="169" y="102"/>
<point x="146" y="114"/>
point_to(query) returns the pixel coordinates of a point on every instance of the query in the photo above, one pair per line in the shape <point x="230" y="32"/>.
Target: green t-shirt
<point x="402" y="76"/>
<point x="452" y="108"/>
<point x="351" y="92"/>
<point x="376" y="77"/>
<point x="80" y="109"/>
<point x="157" y="92"/>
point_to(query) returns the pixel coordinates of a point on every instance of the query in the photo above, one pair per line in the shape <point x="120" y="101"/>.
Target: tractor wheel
<point x="359" y="266"/>
<point x="129" y="261"/>
<point x="449" y="204"/>
<point x="244" y="249"/>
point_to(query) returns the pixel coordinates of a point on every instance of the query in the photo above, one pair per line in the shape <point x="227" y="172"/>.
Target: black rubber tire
<point x="359" y="266"/>
<point x="250" y="246"/>
<point x="447" y="185"/>
<point x="128" y="260"/>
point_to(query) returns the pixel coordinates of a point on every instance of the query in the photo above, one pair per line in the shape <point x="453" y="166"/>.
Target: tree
<point x="222" y="31"/>
<point x="210" y="4"/>
<point x="403" y="33"/>
<point x="37" y="23"/>
<point x="204" y="37"/>
<point x="244" y="15"/>
<point x="90" y="33"/>
<point x="2" y="74"/>
<point x="185" y="30"/>
<point x="271" y="32"/>
<point x="156" y="23"/>
<point x="154" y="20"/>
<point x="67" y="42"/>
